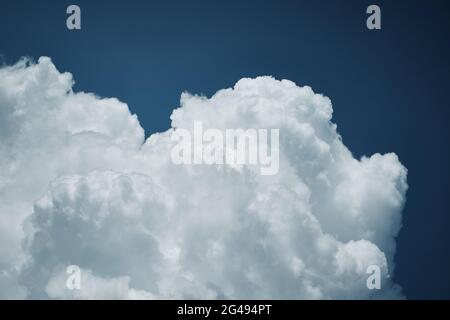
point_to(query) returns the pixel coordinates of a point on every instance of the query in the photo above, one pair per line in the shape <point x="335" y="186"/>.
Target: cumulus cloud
<point x="80" y="184"/>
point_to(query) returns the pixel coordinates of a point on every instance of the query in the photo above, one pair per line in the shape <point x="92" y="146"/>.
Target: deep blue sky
<point x="389" y="88"/>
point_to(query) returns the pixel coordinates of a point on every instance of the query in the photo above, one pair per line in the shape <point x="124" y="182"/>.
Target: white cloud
<point x="80" y="185"/>
<point x="94" y="288"/>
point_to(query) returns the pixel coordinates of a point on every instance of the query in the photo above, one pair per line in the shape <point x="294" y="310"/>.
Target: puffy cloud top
<point x="80" y="185"/>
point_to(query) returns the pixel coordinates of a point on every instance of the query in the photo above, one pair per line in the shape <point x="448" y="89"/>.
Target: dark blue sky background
<point x="389" y="88"/>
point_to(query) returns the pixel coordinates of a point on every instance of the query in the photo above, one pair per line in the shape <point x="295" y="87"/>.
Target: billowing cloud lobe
<point x="80" y="184"/>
